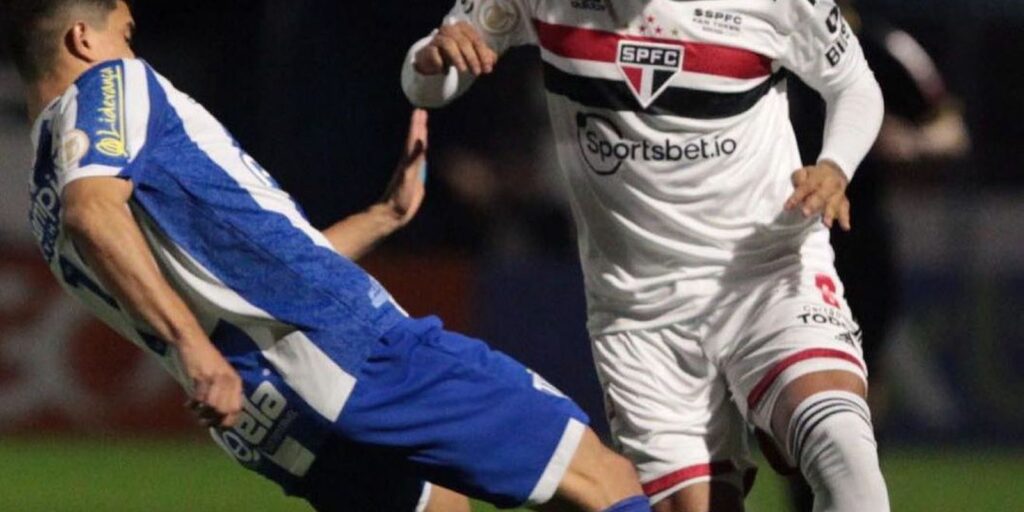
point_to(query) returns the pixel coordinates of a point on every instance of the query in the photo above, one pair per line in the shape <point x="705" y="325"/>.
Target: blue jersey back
<point x="229" y="239"/>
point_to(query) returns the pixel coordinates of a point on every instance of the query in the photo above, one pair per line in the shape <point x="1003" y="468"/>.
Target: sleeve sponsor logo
<point x="649" y="67"/>
<point x="605" y="149"/>
<point x="498" y="16"/>
<point x="111" y="139"/>
<point x="838" y="28"/>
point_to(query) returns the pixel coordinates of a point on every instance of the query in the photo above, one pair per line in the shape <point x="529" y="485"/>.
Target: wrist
<point x="385" y="218"/>
<point x="835" y="168"/>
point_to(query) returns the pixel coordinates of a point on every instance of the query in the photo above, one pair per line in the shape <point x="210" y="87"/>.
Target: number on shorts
<point x="828" y="289"/>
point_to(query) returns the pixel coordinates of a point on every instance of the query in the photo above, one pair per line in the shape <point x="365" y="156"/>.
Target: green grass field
<point x="159" y="476"/>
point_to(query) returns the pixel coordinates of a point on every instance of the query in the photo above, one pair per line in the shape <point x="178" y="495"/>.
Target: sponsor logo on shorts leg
<point x="262" y="427"/>
<point x="605" y="148"/>
<point x="850" y="333"/>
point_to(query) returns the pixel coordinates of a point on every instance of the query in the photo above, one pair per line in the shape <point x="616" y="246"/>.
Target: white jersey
<point x="672" y="126"/>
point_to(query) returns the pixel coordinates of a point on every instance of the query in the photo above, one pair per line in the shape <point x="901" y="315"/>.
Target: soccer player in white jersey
<point x="148" y="211"/>
<point x="712" y="296"/>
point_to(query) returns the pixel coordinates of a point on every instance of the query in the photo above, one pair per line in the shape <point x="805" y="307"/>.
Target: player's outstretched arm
<point x="358" y="234"/>
<point x="98" y="220"/>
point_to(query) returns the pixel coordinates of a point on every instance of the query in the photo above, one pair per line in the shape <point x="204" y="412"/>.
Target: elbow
<point x="84" y="217"/>
<point x="873" y="91"/>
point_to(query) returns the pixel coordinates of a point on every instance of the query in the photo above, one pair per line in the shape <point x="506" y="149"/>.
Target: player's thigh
<point x="797" y="340"/>
<point x="464" y="416"/>
<point x="703" y="497"/>
<point x="670" y="411"/>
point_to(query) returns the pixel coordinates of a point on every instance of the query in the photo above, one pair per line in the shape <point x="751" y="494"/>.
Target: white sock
<point x="831" y="437"/>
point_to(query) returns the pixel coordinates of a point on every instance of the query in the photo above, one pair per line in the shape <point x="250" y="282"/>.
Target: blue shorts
<point x="429" y="406"/>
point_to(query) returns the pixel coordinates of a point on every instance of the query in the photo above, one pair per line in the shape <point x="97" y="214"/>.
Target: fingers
<point x="468" y="49"/>
<point x="815" y="203"/>
<point x="844" y="215"/>
<point x="821" y="190"/>
<point x="488" y="57"/>
<point x="460" y="46"/>
<point x="803" y="187"/>
<point x="451" y="53"/>
<point x="832" y="211"/>
<point x="417" y="131"/>
<point x="221" y="404"/>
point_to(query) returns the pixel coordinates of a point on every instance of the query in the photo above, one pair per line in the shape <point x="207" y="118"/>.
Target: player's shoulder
<point x="788" y="16"/>
<point x="108" y="87"/>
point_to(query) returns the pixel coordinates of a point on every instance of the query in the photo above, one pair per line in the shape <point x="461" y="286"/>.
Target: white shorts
<point x="679" y="398"/>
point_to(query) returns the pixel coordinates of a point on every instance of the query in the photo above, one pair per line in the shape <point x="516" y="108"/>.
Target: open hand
<point x="406" y="191"/>
<point x="458" y="45"/>
<point x="821" y="190"/>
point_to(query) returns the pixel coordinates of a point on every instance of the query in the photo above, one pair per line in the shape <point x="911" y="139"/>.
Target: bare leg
<point x="597" y="478"/>
<point x="703" y="497"/>
<point x="444" y="500"/>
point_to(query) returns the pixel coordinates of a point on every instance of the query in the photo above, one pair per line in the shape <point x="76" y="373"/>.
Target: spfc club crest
<point x="649" y="67"/>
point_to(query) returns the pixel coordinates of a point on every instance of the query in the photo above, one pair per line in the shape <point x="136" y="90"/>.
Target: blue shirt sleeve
<point x="104" y="121"/>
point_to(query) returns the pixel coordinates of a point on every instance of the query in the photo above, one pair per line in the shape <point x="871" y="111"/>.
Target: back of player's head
<point x="35" y="29"/>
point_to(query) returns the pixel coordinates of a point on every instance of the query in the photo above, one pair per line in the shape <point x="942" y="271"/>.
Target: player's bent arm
<point x="854" y="118"/>
<point x="356" y="235"/>
<point x="439" y="86"/>
<point x="105" y="233"/>
<point x="442" y="66"/>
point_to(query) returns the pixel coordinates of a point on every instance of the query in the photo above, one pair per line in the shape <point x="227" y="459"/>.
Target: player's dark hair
<point x="33" y="30"/>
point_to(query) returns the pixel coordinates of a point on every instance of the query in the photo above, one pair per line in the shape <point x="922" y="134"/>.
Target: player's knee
<point x="831" y="438"/>
<point x="800" y="390"/>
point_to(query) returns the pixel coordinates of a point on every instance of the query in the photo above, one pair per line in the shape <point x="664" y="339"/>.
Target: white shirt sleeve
<point x="503" y="24"/>
<point x="823" y="51"/>
<point x="103" y="124"/>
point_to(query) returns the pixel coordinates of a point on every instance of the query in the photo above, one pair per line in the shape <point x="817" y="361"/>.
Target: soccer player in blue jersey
<point x="148" y="211"/>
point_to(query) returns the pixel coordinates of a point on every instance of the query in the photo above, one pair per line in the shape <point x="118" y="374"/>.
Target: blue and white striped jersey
<point x="231" y="242"/>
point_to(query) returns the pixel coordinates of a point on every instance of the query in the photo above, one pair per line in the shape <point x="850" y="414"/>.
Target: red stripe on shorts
<point x="815" y="353"/>
<point x="602" y="46"/>
<point x="683" y="475"/>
